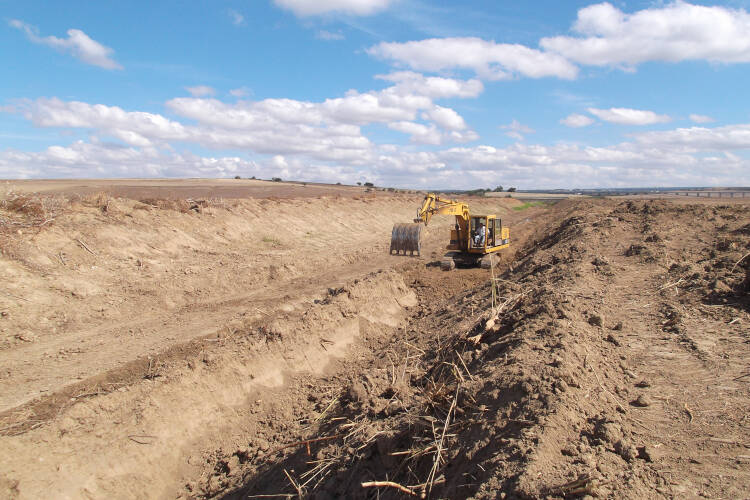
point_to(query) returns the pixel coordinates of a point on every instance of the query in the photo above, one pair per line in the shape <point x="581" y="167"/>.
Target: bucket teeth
<point x="406" y="237"/>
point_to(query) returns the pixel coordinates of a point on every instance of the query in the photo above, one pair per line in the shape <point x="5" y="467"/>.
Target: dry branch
<point x="388" y="484"/>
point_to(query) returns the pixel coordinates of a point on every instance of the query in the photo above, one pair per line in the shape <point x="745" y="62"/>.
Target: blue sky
<point x="406" y="93"/>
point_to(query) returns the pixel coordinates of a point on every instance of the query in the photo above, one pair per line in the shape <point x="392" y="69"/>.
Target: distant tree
<point x="253" y="177"/>
<point x="511" y="190"/>
<point x="369" y="184"/>
<point x="499" y="189"/>
<point x="359" y="184"/>
<point x="237" y="177"/>
<point x="276" y="179"/>
<point x="338" y="183"/>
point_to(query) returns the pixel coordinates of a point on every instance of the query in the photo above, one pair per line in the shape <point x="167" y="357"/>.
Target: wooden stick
<point x="388" y="484"/>
<point x="84" y="246"/>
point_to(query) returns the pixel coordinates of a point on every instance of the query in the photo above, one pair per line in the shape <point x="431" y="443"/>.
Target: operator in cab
<point x="479" y="236"/>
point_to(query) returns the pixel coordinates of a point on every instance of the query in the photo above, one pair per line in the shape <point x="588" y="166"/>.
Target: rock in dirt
<point x="596" y="320"/>
<point x="618" y="326"/>
<point x="641" y="401"/>
<point x="643" y="383"/>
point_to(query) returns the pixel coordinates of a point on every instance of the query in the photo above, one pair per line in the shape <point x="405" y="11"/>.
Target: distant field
<point x="180" y="188"/>
<point x="534" y="196"/>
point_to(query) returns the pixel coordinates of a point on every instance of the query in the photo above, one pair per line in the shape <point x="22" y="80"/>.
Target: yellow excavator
<point x="475" y="239"/>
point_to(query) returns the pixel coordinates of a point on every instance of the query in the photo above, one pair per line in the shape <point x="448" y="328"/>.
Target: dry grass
<point x="29" y="210"/>
<point x="187" y="205"/>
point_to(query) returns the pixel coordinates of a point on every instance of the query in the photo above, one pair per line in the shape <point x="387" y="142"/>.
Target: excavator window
<point x="477" y="241"/>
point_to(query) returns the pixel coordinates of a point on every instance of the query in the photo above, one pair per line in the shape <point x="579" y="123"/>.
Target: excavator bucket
<point x="406" y="237"/>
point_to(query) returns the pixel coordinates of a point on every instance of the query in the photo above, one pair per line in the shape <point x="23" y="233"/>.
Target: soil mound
<point x="604" y="362"/>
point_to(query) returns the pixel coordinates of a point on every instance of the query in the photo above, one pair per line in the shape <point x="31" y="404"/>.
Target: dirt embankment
<point x="134" y="333"/>
<point x="109" y="279"/>
<point x="613" y="364"/>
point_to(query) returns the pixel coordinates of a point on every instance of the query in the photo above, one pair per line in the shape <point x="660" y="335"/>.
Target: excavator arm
<point x="433" y="205"/>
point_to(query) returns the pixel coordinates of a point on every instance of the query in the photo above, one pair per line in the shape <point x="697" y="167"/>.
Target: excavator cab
<point x="493" y="232"/>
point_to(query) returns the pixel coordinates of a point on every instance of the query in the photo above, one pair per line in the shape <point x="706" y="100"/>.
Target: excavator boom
<point x="433" y="204"/>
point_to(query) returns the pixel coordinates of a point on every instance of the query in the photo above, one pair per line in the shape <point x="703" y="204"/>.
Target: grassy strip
<point x="530" y="204"/>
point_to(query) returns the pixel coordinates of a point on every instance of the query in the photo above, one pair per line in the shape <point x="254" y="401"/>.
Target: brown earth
<point x="271" y="347"/>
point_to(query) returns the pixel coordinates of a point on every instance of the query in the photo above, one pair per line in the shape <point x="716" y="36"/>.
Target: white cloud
<point x="517" y="130"/>
<point x="241" y="92"/>
<point x="445" y="117"/>
<point x="325" y="131"/>
<point x="433" y="86"/>
<point x="489" y="60"/>
<point x="329" y="35"/>
<point x="627" y="116"/>
<point x="78" y="44"/>
<point x="701" y="118"/>
<point x="693" y="139"/>
<point x="304" y="8"/>
<point x="236" y="18"/>
<point x="577" y="120"/>
<point x="201" y="90"/>
<point x="677" y="31"/>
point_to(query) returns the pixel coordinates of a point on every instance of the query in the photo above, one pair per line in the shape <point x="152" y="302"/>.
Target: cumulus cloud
<point x="329" y="35"/>
<point x="327" y="131"/>
<point x="677" y="31"/>
<point x="517" y="130"/>
<point x="305" y="8"/>
<point x="78" y="44"/>
<point x="627" y="116"/>
<point x="489" y="60"/>
<point x="701" y="118"/>
<point x="433" y="86"/>
<point x="694" y="139"/>
<point x="577" y="120"/>
<point x="201" y="90"/>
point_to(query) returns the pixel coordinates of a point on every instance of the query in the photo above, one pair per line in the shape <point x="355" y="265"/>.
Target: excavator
<point x="475" y="239"/>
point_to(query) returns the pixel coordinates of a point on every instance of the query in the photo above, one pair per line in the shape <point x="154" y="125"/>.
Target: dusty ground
<point x="272" y="347"/>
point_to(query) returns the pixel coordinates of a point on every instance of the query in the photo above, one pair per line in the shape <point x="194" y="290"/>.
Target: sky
<point x="403" y="93"/>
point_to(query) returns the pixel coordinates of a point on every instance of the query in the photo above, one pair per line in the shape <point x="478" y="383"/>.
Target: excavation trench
<point x="149" y="434"/>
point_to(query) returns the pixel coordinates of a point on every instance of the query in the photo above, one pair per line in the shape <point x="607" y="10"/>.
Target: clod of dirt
<point x="612" y="339"/>
<point x="649" y="453"/>
<point x="626" y="450"/>
<point x="617" y="326"/>
<point x="608" y="432"/>
<point x="719" y="286"/>
<point x="4" y="314"/>
<point x="596" y="320"/>
<point x="600" y="261"/>
<point x="634" y="249"/>
<point x="642" y="401"/>
<point x="643" y="384"/>
<point x="357" y="392"/>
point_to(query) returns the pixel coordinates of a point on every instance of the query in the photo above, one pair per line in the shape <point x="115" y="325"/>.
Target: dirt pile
<point x="611" y="364"/>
